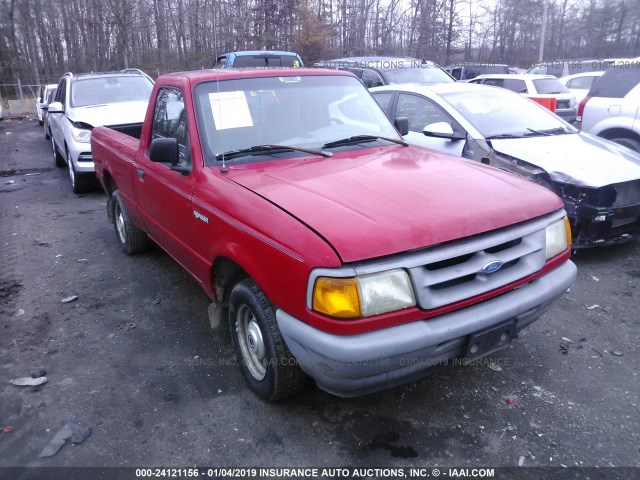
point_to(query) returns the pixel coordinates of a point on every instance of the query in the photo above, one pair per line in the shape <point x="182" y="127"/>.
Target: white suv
<point x="42" y="99"/>
<point x="611" y="109"/>
<point x="117" y="99"/>
<point x="536" y="86"/>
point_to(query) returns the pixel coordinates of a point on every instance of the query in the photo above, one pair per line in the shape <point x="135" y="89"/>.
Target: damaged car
<point x="598" y="180"/>
<point x="88" y="100"/>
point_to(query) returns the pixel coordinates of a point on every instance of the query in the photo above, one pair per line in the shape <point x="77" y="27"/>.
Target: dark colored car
<point x="378" y="71"/>
<point x="469" y="70"/>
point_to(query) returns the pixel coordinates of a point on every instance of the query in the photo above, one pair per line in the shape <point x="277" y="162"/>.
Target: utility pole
<point x="543" y="31"/>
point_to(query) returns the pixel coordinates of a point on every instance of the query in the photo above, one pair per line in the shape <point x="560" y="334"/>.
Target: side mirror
<point x="402" y="125"/>
<point x="55" y="107"/>
<point x="441" y="130"/>
<point x="164" y="150"/>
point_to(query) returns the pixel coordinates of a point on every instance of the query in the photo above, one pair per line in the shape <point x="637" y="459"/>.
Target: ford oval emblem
<point x="492" y="267"/>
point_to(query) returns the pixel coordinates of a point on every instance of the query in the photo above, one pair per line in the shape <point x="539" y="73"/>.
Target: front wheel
<point x="80" y="182"/>
<point x="57" y="158"/>
<point x="131" y="239"/>
<point x="270" y="369"/>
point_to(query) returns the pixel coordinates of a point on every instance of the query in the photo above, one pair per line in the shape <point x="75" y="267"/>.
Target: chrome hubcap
<point x="251" y="342"/>
<point x="120" y="224"/>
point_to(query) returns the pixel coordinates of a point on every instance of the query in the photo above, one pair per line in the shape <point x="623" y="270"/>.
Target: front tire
<point x="269" y="368"/>
<point x="132" y="240"/>
<point x="57" y="158"/>
<point x="80" y="182"/>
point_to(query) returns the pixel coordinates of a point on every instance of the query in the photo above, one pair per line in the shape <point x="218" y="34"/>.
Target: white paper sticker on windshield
<point x="230" y="110"/>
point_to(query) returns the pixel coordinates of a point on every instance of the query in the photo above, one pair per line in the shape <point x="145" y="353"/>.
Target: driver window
<point x="169" y="120"/>
<point x="371" y="79"/>
<point x="420" y="112"/>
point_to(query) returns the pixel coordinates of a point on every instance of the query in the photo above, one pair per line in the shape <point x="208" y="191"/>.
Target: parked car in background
<point x="611" y="109"/>
<point x="546" y="86"/>
<point x="45" y="113"/>
<point x="598" y="180"/>
<point x="469" y="70"/>
<point x="259" y="58"/>
<point x="42" y="99"/>
<point x="562" y="68"/>
<point x="85" y="101"/>
<point x="376" y="71"/>
<point x="580" y="83"/>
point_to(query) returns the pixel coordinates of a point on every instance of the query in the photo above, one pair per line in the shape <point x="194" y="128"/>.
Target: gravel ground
<point x="134" y="359"/>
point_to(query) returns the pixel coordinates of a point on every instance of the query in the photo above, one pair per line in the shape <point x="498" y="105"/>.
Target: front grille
<point x="453" y="272"/>
<point x="85" y="157"/>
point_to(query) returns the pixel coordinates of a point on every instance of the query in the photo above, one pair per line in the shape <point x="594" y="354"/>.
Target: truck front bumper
<point x="351" y="365"/>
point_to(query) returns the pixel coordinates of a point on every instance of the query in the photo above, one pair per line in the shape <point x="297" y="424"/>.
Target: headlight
<point x="82" y="136"/>
<point x="364" y="295"/>
<point x="558" y="237"/>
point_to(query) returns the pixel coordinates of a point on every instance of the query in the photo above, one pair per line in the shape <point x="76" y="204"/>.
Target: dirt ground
<point x="134" y="358"/>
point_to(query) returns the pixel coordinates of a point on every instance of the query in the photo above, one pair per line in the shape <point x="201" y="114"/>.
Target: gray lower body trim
<point x="351" y="365"/>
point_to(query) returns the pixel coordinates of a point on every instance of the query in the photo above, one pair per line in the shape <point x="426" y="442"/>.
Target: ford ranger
<point x="332" y="248"/>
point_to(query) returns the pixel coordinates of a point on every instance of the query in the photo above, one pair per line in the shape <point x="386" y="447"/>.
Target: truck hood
<point x="120" y="113"/>
<point x="579" y="159"/>
<point x="378" y="202"/>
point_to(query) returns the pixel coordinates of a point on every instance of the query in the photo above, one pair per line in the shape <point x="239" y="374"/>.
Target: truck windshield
<point x="297" y="111"/>
<point x="110" y="89"/>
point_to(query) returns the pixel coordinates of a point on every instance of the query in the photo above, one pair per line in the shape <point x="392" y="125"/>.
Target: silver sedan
<point x="599" y="181"/>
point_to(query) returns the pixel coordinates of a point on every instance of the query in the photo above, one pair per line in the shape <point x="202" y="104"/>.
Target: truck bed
<point x="132" y="129"/>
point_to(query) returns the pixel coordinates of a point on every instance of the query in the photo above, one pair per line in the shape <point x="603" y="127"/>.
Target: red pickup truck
<point x="334" y="249"/>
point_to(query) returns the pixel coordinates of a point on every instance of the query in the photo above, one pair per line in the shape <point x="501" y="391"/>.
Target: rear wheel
<point x="269" y="368"/>
<point x="628" y="142"/>
<point x="131" y="239"/>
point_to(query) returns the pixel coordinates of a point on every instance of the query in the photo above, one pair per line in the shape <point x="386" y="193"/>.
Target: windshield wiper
<point x="547" y="132"/>
<point x="260" y="149"/>
<point x="363" y="139"/>
<point x="505" y="135"/>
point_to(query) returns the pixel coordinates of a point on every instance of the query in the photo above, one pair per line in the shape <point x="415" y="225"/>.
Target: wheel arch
<point x="225" y="273"/>
<point x="616" y="132"/>
<point x="108" y="183"/>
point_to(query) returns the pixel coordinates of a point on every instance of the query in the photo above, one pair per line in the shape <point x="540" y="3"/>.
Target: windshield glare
<point x="502" y="112"/>
<point x="110" y="89"/>
<point x="298" y="111"/>
<point x="417" y="73"/>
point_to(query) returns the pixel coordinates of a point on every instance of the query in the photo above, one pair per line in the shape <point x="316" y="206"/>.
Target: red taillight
<point x="581" y="108"/>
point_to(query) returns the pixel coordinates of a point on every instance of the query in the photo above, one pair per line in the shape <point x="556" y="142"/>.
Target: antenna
<point x="224" y="168"/>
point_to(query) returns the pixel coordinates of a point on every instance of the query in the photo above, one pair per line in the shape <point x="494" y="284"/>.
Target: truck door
<point x="164" y="195"/>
